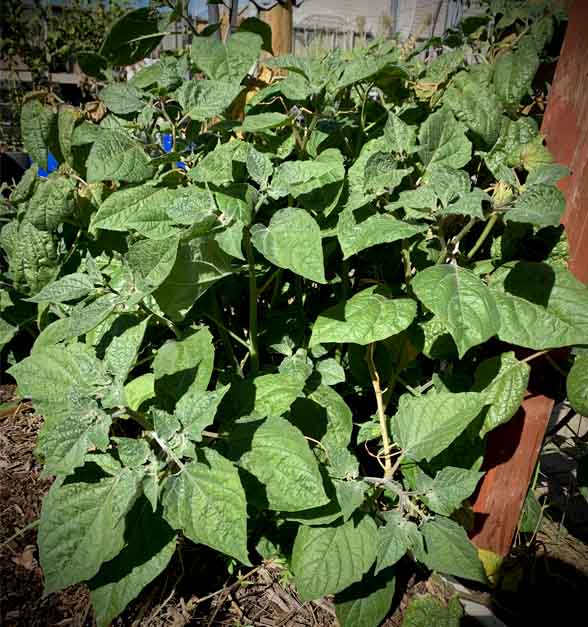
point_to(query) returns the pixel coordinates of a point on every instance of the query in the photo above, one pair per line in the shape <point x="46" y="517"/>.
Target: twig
<point x="533" y="356"/>
<point x="253" y="346"/>
<point x="381" y="415"/>
<point x="489" y="226"/>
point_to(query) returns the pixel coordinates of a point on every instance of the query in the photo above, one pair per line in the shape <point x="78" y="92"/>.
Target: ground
<point x="550" y="572"/>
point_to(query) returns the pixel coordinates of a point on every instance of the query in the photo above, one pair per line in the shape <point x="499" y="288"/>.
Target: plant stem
<point x="381" y="415"/>
<point x="489" y="226"/>
<point x="225" y="333"/>
<point x="533" y="356"/>
<point x="253" y="346"/>
<point x="407" y="266"/>
<point x="28" y="527"/>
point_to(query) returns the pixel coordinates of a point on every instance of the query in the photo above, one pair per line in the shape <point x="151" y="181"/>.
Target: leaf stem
<point x="381" y="415"/>
<point x="32" y="525"/>
<point x="253" y="345"/>
<point x="489" y="226"/>
<point x="533" y="356"/>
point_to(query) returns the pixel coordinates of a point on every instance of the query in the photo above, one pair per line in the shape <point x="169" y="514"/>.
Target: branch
<point x="381" y="415"/>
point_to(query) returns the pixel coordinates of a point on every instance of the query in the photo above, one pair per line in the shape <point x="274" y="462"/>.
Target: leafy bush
<point x="289" y="336"/>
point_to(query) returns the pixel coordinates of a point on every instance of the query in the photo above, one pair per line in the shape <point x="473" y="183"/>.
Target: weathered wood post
<point x="280" y="18"/>
<point x="513" y="448"/>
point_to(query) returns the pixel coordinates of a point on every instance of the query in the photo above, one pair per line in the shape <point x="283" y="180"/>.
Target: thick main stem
<point x="381" y="415"/>
<point x="253" y="346"/>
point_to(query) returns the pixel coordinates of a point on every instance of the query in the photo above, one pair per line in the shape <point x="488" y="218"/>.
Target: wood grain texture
<point x="280" y="19"/>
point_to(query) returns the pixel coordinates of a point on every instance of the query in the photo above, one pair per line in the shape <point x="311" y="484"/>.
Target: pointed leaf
<point x="35" y="127"/>
<point x="447" y="491"/>
<point x="541" y="205"/>
<point x="326" y="560"/>
<point x="443" y="141"/>
<point x="365" y="603"/>
<point x="577" y="385"/>
<point x="400" y="136"/>
<point x="368" y="316"/>
<point x="424" y="611"/>
<point x="69" y="287"/>
<point x="514" y="73"/>
<point x="207" y="502"/>
<point x="395" y="538"/>
<point x="197" y="408"/>
<point x="116" y="157"/>
<point x="122" y="98"/>
<point x="461" y="300"/>
<point x="202" y="99"/>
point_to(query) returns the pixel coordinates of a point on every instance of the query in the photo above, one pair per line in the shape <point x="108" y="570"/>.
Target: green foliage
<point x="219" y="330"/>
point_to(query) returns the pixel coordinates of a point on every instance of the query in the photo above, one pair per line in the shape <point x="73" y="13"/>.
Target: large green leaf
<point x="443" y="141"/>
<point x="199" y="264"/>
<point x="368" y="316"/>
<point x="132" y="37"/>
<point x="461" y="300"/>
<point x="326" y="560"/>
<point x="514" y="73"/>
<point x="70" y="287"/>
<point x="540" y="306"/>
<point x="207" y="502"/>
<point x="447" y="549"/>
<point x="66" y="121"/>
<point x="82" y="526"/>
<point x="365" y="603"/>
<point x="541" y="205"/>
<point x="503" y="381"/>
<point x="115" y="156"/>
<point x="425" y="425"/>
<point x="122" y="98"/>
<point x="277" y="454"/>
<point x="292" y="241"/>
<point x="447" y="491"/>
<point x="230" y="60"/>
<point x="400" y="136"/>
<point x="7" y="332"/>
<point x="35" y="127"/>
<point x="395" y="538"/>
<point x="263" y="122"/>
<point x="202" y="99"/>
<point x="184" y="365"/>
<point x="219" y="166"/>
<point x="63" y="444"/>
<point x="339" y="417"/>
<point x="55" y="377"/>
<point x="52" y="203"/>
<point x="149" y="545"/>
<point x="577" y="385"/>
<point x="377" y="229"/>
<point x="196" y="410"/>
<point x="151" y="261"/>
<point x="297" y="178"/>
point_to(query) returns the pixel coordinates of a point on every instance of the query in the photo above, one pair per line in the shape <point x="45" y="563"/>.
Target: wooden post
<point x="280" y="18"/>
<point x="513" y="448"/>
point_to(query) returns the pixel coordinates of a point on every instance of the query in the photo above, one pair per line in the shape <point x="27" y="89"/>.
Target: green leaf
<point x="531" y="514"/>
<point x="448" y="490"/>
<point x="448" y="550"/>
<point x="66" y="120"/>
<point x="122" y="98"/>
<point x="139" y="390"/>
<point x="92" y="64"/>
<point x="263" y="122"/>
<point x="395" y="538"/>
<point x="547" y="174"/>
<point x="196" y="410"/>
<point x="52" y="203"/>
<point x="503" y="381"/>
<point x="350" y="495"/>
<point x="326" y="560"/>
<point x="231" y="60"/>
<point x="297" y="178"/>
<point x="7" y="332"/>
<point x="182" y="366"/>
<point x="367" y="67"/>
<point x="377" y="229"/>
<point x="448" y="183"/>
<point x="26" y="186"/>
<point x="202" y="99"/>
<point x="63" y="444"/>
<point x="382" y="174"/>
<point x="230" y="240"/>
<point x="461" y="300"/>
<point x="132" y="37"/>
<point x="425" y="425"/>
<point x="82" y="319"/>
<point x="207" y="502"/>
<point x="199" y="264"/>
<point x="368" y="316"/>
<point x="577" y="385"/>
<point x="331" y="371"/>
<point x="117" y="157"/>
<point x="365" y="603"/>
<point x="55" y="377"/>
<point x="339" y="417"/>
<point x="514" y="73"/>
<point x="151" y="262"/>
<point x="541" y="205"/>
<point x="259" y="166"/>
<point x="443" y="141"/>
<point x="70" y="287"/>
<point x="292" y="241"/>
<point x="218" y="166"/>
<point x="424" y="611"/>
<point x="279" y="457"/>
<point x="35" y="127"/>
<point x="82" y="526"/>
<point x="131" y="452"/>
<point x="400" y="136"/>
<point x="468" y="204"/>
<point x="474" y="104"/>
<point x="149" y="545"/>
<point x="540" y="306"/>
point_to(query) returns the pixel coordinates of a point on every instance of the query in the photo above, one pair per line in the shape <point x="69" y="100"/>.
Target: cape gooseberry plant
<point x="290" y="336"/>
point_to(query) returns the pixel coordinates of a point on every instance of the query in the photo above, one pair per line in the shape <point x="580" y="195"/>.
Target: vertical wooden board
<point x="510" y="460"/>
<point x="280" y="19"/>
<point x="565" y="127"/>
